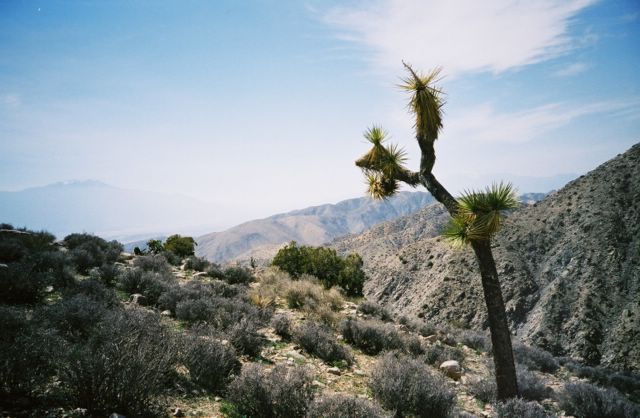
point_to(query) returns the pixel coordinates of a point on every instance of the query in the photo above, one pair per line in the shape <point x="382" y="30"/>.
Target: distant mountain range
<point x="569" y="268"/>
<point x="311" y="226"/>
<point x="108" y="211"/>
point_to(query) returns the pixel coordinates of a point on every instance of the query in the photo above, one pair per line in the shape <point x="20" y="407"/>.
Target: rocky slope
<point x="312" y="226"/>
<point x="569" y="266"/>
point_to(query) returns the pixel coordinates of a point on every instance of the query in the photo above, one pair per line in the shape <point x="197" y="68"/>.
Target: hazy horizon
<point x="259" y="107"/>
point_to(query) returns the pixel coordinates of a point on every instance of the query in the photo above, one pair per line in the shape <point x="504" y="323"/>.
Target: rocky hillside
<point x="569" y="265"/>
<point x="312" y="226"/>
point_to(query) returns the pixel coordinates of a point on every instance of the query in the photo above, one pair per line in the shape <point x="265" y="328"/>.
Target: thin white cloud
<point x="572" y="69"/>
<point x="483" y="123"/>
<point x="462" y="36"/>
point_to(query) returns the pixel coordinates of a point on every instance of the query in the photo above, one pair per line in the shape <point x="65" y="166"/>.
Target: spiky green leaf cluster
<point x="426" y="102"/>
<point x="381" y="164"/>
<point x="480" y="214"/>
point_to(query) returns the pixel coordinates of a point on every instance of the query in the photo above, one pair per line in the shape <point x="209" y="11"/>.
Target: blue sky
<point x="260" y="105"/>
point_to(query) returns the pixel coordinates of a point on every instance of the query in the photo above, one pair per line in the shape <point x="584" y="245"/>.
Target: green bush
<point x="405" y="385"/>
<point x="323" y="263"/>
<point x="180" y="246"/>
<point x="281" y="392"/>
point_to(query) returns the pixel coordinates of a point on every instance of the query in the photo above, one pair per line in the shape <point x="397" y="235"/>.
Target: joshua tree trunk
<point x="506" y="379"/>
<point x="500" y="335"/>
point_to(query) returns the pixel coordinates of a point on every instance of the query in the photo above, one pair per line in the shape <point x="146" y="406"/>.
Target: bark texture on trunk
<point x="506" y="380"/>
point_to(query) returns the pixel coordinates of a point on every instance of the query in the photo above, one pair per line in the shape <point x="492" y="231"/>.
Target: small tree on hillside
<point x="180" y="246"/>
<point x="476" y="216"/>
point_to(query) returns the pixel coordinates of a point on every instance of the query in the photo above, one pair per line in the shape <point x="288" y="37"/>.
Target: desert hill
<point x="312" y="226"/>
<point x="569" y="267"/>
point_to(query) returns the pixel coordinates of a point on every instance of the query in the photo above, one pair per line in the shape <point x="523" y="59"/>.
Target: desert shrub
<point x="530" y="386"/>
<point x="55" y="265"/>
<point x="15" y="243"/>
<point x="195" y="310"/>
<point x="345" y="406"/>
<point x="302" y="294"/>
<point x="535" y="358"/>
<point x="210" y="362"/>
<point x="180" y="246"/>
<point x="20" y="284"/>
<point x="628" y="382"/>
<point x="148" y="283"/>
<point x="281" y="392"/>
<point x="238" y="275"/>
<point x="76" y="317"/>
<point x="320" y="342"/>
<point x="124" y="366"/>
<point x="244" y="336"/>
<point x="282" y="326"/>
<point x="413" y="345"/>
<point x="374" y="310"/>
<point x="154" y="262"/>
<point x="585" y="400"/>
<point x="323" y="263"/>
<point x="222" y="313"/>
<point x="476" y="340"/>
<point x="520" y="408"/>
<point x="196" y="263"/>
<point x="436" y="354"/>
<point x="484" y="389"/>
<point x="96" y="291"/>
<point x="196" y="290"/>
<point x="28" y="355"/>
<point x="87" y="251"/>
<point x="417" y="325"/>
<point x="106" y="274"/>
<point x="371" y="336"/>
<point x="405" y="385"/>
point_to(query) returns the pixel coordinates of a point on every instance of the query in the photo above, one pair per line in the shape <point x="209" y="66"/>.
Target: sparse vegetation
<point x="77" y="341"/>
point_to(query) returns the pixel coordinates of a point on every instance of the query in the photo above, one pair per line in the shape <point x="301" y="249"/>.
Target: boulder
<point x="137" y="299"/>
<point x="452" y="369"/>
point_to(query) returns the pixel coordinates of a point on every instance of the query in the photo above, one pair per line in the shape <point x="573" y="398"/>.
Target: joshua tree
<point x="476" y="216"/>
